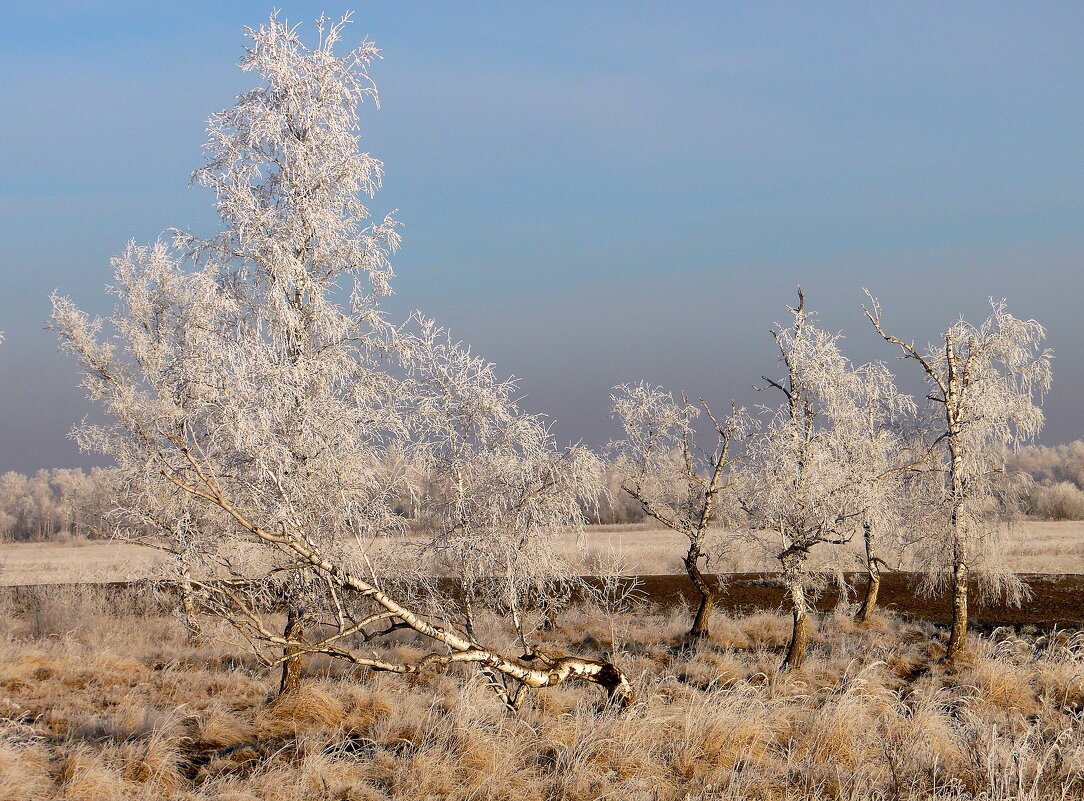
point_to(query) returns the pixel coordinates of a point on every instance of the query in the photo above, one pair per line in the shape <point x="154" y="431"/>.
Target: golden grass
<point x="122" y="707"/>
<point x="308" y="709"/>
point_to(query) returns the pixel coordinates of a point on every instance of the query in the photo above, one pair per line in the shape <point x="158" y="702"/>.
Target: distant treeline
<point x="56" y="505"/>
<point x="65" y="503"/>
<point x="1056" y="491"/>
<point x="1058" y="475"/>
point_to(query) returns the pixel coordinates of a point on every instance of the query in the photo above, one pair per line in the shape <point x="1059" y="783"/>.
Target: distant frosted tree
<point x="985" y="381"/>
<point x="261" y="405"/>
<point x="1056" y="491"/>
<point x="677" y="482"/>
<point x="1052" y="464"/>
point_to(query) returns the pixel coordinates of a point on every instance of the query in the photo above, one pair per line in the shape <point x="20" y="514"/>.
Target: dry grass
<point x="121" y="706"/>
<point x="75" y="561"/>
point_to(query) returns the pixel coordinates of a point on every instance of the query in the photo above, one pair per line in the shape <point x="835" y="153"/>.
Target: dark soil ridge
<point x="1057" y="601"/>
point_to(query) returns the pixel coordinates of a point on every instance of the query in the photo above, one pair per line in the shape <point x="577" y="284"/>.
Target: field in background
<point x="1038" y="547"/>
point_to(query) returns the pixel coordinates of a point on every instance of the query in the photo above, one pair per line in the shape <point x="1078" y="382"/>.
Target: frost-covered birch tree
<point x="882" y="456"/>
<point x="676" y="481"/>
<point x="261" y="406"/>
<point x="497" y="493"/>
<point x="800" y="491"/>
<point x="985" y="382"/>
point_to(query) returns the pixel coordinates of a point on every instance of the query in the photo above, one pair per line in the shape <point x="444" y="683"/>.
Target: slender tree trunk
<point x="702" y="619"/>
<point x="958" y="636"/>
<point x="873" y="578"/>
<point x="800" y="631"/>
<point x="549" y="622"/>
<point x="291" y="667"/>
<point x="189" y="611"/>
<point x="517" y="621"/>
<point x="843" y="591"/>
<point x="957" y="456"/>
<point x="873" y="588"/>
<point x="794" y="575"/>
<point x="188" y="601"/>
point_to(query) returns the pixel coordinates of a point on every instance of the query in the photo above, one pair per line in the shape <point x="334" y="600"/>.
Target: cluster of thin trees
<point x="56" y="504"/>
<point x="1057" y="472"/>
<point x="843" y="457"/>
<point x="270" y="426"/>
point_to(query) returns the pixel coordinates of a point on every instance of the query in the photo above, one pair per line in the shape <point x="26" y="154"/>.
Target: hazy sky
<point x="592" y="193"/>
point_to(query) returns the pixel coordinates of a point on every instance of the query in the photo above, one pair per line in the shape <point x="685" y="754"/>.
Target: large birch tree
<point x="261" y="406"/>
<point x="799" y="492"/>
<point x="829" y="463"/>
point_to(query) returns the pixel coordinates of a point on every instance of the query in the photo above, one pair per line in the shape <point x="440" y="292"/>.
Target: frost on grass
<point x="125" y="706"/>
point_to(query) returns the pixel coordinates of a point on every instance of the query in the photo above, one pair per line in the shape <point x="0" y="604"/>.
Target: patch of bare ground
<point x="1055" y="600"/>
<point x="105" y="704"/>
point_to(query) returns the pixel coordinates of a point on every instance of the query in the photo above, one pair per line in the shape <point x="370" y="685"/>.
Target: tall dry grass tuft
<point x="218" y="728"/>
<point x="156" y="761"/>
<point x="85" y="776"/>
<point x="308" y="708"/>
<point x="24" y="763"/>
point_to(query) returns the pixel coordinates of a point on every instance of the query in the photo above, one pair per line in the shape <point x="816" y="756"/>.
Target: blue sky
<point x="592" y="192"/>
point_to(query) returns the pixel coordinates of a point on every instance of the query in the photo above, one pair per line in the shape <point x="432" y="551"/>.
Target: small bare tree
<point x="675" y="481"/>
<point x="799" y="486"/>
<point x="881" y="457"/>
<point x="260" y="403"/>
<point x="985" y="381"/>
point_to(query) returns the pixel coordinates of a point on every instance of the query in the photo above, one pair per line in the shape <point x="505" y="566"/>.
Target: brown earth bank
<point x="1057" y="601"/>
